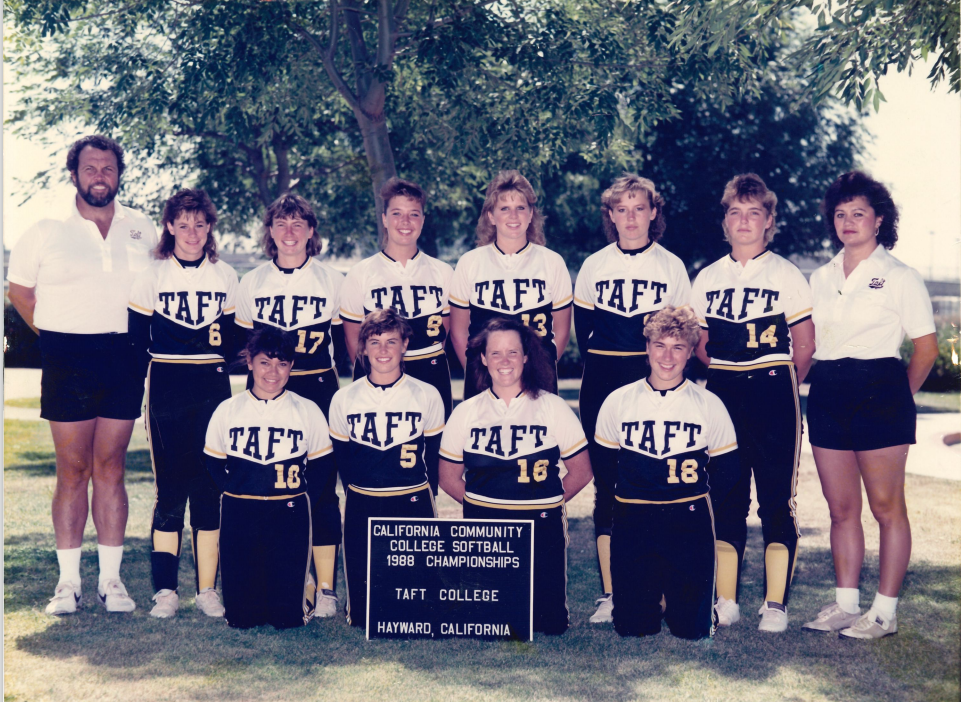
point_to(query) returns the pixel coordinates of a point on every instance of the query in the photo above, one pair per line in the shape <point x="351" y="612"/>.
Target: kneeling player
<point x="266" y="448"/>
<point x="662" y="432"/>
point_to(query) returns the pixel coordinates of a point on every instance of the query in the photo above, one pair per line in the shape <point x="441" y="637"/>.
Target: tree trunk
<point x="380" y="161"/>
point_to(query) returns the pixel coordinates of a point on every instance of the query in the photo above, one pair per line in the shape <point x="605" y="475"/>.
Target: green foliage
<point x="945" y="376"/>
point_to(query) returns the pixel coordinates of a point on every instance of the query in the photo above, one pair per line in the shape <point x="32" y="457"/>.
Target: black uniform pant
<point x="766" y="412"/>
<point x="181" y="398"/>
<point x="265" y="553"/>
<point x="551" y="615"/>
<point x="360" y="507"/>
<point x="602" y="376"/>
<point x="325" y="505"/>
<point x="432" y="369"/>
<point x="663" y="550"/>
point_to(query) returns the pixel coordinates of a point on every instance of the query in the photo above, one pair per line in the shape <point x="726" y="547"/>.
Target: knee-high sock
<point x="206" y="547"/>
<point x="779" y="560"/>
<point x="604" y="559"/>
<point x="165" y="559"/>
<point x="729" y="558"/>
<point x="325" y="562"/>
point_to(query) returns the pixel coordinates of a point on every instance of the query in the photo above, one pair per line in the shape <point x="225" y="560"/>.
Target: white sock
<point x="848" y="598"/>
<point x="885" y="606"/>
<point x="69" y="560"/>
<point x="110" y="557"/>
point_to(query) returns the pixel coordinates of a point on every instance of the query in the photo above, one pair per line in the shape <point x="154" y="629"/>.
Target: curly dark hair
<point x="380" y="321"/>
<point x="538" y="374"/>
<point x="187" y="201"/>
<point x="97" y="141"/>
<point x="290" y="205"/>
<point x="630" y="183"/>
<point x="270" y="341"/>
<point x="859" y="184"/>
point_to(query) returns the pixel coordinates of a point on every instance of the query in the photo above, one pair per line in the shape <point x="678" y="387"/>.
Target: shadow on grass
<point x="42" y="464"/>
<point x="588" y="662"/>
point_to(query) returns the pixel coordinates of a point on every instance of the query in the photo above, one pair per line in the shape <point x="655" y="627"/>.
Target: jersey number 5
<point x="302" y="337"/>
<point x="540" y="470"/>
<point x="538" y="324"/>
<point x="408" y="455"/>
<point x="293" y="476"/>
<point x="767" y="337"/>
<point x="688" y="471"/>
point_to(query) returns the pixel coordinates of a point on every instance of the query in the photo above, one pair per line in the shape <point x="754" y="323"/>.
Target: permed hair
<point x="193" y="202"/>
<point x="97" y="141"/>
<point x="749" y="186"/>
<point x="505" y="182"/>
<point x="859" y="184"/>
<point x="270" y="341"/>
<point x="674" y="321"/>
<point x="538" y="374"/>
<point x="291" y="206"/>
<point x="631" y="183"/>
<point x="381" y="321"/>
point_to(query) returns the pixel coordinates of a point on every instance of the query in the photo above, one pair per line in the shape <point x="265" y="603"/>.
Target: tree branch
<point x="328" y="55"/>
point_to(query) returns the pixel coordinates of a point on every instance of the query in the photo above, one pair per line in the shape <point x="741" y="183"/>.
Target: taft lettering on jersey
<point x="289" y="311"/>
<point x="511" y="295"/>
<point x="409" y="300"/>
<point x="732" y="304"/>
<point x="384" y="429"/>
<point x="264" y="459"/>
<point x="628" y="296"/>
<point x="493" y="443"/>
<point x="193" y="307"/>
<point x="655" y="437"/>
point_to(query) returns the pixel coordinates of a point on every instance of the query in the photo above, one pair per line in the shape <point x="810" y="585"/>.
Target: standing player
<point x="860" y="410"/>
<point x="664" y="437"/>
<point x="757" y="339"/>
<point x="617" y="290"/>
<point x="295" y="292"/>
<point x="70" y="281"/>
<point x="181" y="320"/>
<point x="510" y="274"/>
<point x="407" y="280"/>
<point x="267" y="449"/>
<point x="386" y="429"/>
<point x="501" y="453"/>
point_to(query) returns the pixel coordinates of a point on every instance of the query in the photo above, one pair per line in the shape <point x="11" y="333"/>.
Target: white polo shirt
<point x="867" y="314"/>
<point x="82" y="280"/>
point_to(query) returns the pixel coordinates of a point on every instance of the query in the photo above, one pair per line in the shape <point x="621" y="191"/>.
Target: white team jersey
<point x="665" y="440"/>
<point x="749" y="310"/>
<point x="867" y="314"/>
<point x="417" y="291"/>
<point x="82" y="280"/>
<point x="267" y="443"/>
<point x="305" y="302"/>
<point x="528" y="286"/>
<point x="186" y="305"/>
<point x="511" y="453"/>
<point x="623" y="288"/>
<point x="380" y="431"/>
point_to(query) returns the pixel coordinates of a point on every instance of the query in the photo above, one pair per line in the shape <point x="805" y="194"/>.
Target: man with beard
<point x="70" y="281"/>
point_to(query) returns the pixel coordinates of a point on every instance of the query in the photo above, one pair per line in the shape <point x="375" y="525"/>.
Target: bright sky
<point x="916" y="151"/>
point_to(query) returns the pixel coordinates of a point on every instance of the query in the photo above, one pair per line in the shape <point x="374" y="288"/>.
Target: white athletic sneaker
<point x="66" y="598"/>
<point x="114" y="597"/>
<point x="728" y="612"/>
<point x="773" y="617"/>
<point x="832" y="618"/>
<point x="326" y="603"/>
<point x="871" y="625"/>
<point x="168" y="602"/>
<point x="605" y="605"/>
<point x="208" y="602"/>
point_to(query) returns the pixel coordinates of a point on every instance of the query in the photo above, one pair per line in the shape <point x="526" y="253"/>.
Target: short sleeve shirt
<point x="511" y="453"/>
<point x="623" y="288"/>
<point x="664" y="440"/>
<point x="867" y="314"/>
<point x="82" y="280"/>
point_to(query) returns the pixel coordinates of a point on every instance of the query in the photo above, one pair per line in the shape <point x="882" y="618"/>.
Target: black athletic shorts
<point x="860" y="405"/>
<point x="86" y="376"/>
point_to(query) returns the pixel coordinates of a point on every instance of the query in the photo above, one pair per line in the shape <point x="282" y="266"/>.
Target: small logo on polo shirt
<point x="543" y="515"/>
<point x="290" y="504"/>
<point x="414" y="498"/>
<point x="773" y="372"/>
<point x="135" y="234"/>
<point x="876" y="283"/>
<point x="691" y="508"/>
<point x="434" y="362"/>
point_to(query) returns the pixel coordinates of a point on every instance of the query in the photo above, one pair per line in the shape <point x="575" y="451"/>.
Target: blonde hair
<point x="632" y="183"/>
<point x="504" y="182"/>
<point x="749" y="186"/>
<point x="674" y="321"/>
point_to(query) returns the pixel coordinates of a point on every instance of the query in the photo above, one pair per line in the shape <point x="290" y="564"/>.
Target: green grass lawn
<point x="128" y="657"/>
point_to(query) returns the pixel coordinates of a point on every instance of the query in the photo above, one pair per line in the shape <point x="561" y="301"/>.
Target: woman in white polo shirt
<point x="861" y="412"/>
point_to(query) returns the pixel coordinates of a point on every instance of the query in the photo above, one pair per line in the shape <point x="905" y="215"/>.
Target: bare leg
<point x="73" y="444"/>
<point x="111" y="438"/>
<point x="883" y="474"/>
<point x="841" y="485"/>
